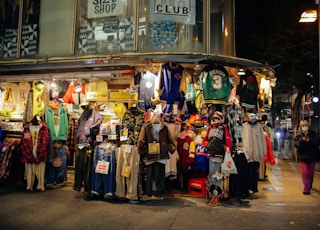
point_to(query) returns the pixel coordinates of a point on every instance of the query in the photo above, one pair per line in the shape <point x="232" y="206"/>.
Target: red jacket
<point x="26" y="145"/>
<point x="269" y="156"/>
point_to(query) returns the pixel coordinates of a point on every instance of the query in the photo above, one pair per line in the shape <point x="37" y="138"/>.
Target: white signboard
<point x="104" y="8"/>
<point x="183" y="11"/>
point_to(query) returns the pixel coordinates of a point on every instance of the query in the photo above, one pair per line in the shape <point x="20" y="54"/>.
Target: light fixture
<point x="315" y="99"/>
<point x="308" y="16"/>
<point x="241" y="72"/>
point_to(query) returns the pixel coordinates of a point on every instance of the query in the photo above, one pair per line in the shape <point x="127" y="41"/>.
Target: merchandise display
<point x="166" y="130"/>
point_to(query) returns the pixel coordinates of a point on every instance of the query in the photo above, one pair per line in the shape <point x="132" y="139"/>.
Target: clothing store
<point x="169" y="130"/>
<point x="131" y="122"/>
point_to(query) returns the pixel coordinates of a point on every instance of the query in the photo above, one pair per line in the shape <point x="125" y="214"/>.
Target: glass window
<point x="9" y="19"/>
<point x="221" y="27"/>
<point x="175" y="25"/>
<point x="56" y="28"/>
<point x="30" y="29"/>
<point x="105" y="26"/>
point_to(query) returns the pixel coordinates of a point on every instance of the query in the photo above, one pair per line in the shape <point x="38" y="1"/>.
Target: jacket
<point x="217" y="139"/>
<point x="165" y="140"/>
<point x="254" y="143"/>
<point x="269" y="156"/>
<point x="88" y="126"/>
<point x="63" y="125"/>
<point x="307" y="151"/>
<point x="26" y="145"/>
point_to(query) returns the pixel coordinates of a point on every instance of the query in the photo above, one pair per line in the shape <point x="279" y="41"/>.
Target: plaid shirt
<point x="26" y="145"/>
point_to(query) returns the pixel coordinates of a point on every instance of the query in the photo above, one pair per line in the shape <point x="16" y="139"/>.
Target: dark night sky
<point x="256" y="19"/>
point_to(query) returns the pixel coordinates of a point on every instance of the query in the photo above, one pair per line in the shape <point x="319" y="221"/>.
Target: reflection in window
<point x="171" y="25"/>
<point x="9" y="17"/>
<point x="106" y="26"/>
<point x="30" y="29"/>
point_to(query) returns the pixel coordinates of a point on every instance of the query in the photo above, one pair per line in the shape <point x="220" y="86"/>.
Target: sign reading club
<point x="172" y="7"/>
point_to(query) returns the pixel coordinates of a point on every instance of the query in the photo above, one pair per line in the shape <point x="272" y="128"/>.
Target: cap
<point x="85" y="103"/>
<point x="218" y="115"/>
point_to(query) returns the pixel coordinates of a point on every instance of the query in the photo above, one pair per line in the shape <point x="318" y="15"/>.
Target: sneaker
<point x="306" y="193"/>
<point x="134" y="201"/>
<point x="49" y="186"/>
<point x="60" y="185"/>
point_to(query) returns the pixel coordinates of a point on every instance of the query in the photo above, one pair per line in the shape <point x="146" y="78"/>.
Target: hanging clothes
<point x="127" y="186"/>
<point x="133" y="120"/>
<point x="38" y="88"/>
<point x="87" y="128"/>
<point x="215" y="84"/>
<point x="146" y="82"/>
<point x="104" y="182"/>
<point x="34" y="147"/>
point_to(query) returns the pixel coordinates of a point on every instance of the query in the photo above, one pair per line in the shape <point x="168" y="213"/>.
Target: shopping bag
<point x="228" y="165"/>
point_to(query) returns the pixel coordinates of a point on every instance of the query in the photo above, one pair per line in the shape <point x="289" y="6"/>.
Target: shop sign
<point x="95" y="96"/>
<point x="182" y="11"/>
<point x="104" y="8"/>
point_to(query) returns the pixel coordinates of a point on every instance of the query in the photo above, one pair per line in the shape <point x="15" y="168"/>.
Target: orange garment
<point x="269" y="156"/>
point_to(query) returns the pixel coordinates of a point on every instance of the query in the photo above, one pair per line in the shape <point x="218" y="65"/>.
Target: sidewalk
<point x="284" y="184"/>
<point x="282" y="187"/>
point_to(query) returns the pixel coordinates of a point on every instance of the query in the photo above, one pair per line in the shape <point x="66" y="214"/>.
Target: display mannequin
<point x="255" y="148"/>
<point x="216" y="140"/>
<point x="87" y="129"/>
<point x="34" y="147"/>
<point x="57" y="119"/>
<point x="154" y="143"/>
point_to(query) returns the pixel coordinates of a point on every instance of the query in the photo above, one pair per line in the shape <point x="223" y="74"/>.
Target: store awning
<point x="115" y="65"/>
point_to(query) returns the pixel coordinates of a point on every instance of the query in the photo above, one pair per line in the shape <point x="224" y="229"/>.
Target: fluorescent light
<point x="308" y="16"/>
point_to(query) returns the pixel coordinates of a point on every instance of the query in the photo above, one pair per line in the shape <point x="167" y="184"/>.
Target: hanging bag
<point x="126" y="169"/>
<point x="228" y="165"/>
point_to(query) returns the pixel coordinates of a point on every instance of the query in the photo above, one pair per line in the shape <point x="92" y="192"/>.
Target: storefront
<point x="126" y="63"/>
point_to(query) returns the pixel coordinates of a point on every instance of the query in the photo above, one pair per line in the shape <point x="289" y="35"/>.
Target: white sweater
<point x="253" y="142"/>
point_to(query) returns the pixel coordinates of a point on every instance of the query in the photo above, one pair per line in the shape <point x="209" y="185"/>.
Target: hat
<point x="264" y="117"/>
<point x="85" y="103"/>
<point x="217" y="115"/>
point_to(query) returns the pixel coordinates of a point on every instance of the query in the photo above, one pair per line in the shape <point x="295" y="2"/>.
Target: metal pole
<point x="318" y="107"/>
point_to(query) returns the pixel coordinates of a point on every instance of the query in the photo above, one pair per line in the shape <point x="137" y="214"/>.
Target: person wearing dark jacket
<point x="307" y="144"/>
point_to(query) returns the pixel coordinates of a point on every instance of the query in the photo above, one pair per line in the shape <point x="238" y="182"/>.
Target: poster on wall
<point x="183" y="11"/>
<point x="104" y="8"/>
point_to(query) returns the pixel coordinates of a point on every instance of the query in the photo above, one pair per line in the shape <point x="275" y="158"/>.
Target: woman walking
<point x="307" y="144"/>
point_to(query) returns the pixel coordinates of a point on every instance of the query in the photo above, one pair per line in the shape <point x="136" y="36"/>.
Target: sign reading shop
<point x="182" y="11"/>
<point x="104" y="8"/>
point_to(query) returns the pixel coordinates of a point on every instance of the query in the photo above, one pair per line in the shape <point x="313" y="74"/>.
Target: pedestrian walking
<point x="307" y="143"/>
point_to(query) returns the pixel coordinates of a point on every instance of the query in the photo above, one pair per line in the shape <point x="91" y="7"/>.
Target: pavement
<point x="279" y="204"/>
<point x="283" y="186"/>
